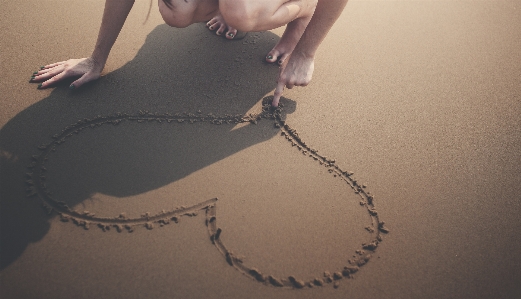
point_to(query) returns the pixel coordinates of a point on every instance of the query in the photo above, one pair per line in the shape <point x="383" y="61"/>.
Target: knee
<point x="174" y="18"/>
<point x="243" y="15"/>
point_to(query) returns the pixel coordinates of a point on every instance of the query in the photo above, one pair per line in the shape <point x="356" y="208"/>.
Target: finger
<point x="45" y="70"/>
<point x="277" y="94"/>
<point x="49" y="66"/>
<point x="303" y="83"/>
<point x="47" y="75"/>
<point x="45" y="84"/>
<point x="82" y="80"/>
<point x="60" y="76"/>
<point x="51" y="69"/>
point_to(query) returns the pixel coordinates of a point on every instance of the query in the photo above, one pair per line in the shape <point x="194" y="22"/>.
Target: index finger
<point x="277" y="94"/>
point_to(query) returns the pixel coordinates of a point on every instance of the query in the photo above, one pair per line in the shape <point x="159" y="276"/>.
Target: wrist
<point x="304" y="53"/>
<point x="99" y="58"/>
<point x="304" y="50"/>
<point x="98" y="63"/>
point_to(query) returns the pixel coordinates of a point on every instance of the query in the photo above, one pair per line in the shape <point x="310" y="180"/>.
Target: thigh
<point x="181" y="13"/>
<point x="251" y="15"/>
<point x="258" y="15"/>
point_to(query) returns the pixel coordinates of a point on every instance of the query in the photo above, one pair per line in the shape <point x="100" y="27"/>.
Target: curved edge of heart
<point x="35" y="179"/>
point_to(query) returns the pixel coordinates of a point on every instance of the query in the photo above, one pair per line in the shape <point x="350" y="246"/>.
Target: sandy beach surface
<point x="395" y="174"/>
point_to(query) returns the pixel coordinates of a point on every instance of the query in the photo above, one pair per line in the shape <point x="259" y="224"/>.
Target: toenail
<point x="230" y="34"/>
<point x="269" y="57"/>
<point x="71" y="87"/>
<point x="39" y="86"/>
<point x="211" y="28"/>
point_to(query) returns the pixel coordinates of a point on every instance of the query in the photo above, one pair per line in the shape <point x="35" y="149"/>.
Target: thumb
<point x="82" y="80"/>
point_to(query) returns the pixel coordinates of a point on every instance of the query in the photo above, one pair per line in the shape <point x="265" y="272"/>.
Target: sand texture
<point x="395" y="174"/>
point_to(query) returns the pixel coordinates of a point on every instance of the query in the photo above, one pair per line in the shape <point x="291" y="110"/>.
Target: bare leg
<point x="260" y="15"/>
<point x="289" y="40"/>
<point x="298" y="69"/>
<point x="181" y="13"/>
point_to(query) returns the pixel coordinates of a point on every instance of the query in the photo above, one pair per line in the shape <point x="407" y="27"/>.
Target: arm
<point x="299" y="68"/>
<point x="114" y="16"/>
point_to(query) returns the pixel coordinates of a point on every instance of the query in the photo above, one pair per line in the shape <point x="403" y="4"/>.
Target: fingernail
<point x="269" y="57"/>
<point x="39" y="86"/>
<point x="42" y="67"/>
<point x="32" y="78"/>
<point x="35" y="73"/>
<point x="71" y="87"/>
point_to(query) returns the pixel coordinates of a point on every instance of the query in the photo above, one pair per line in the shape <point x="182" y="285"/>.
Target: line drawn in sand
<point x="36" y="181"/>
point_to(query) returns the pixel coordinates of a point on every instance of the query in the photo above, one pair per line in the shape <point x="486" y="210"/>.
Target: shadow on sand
<point x="176" y="70"/>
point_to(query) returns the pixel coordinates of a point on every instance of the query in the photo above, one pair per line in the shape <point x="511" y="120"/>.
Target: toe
<point x="272" y="56"/>
<point x="282" y="58"/>
<point x="213" y="26"/>
<point x="232" y="32"/>
<point x="221" y="29"/>
<point x="211" y="22"/>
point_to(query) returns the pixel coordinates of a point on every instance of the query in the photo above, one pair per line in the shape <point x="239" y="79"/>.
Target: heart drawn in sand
<point x="36" y="181"/>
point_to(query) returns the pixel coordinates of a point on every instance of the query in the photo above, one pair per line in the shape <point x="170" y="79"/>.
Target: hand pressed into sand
<point x="87" y="69"/>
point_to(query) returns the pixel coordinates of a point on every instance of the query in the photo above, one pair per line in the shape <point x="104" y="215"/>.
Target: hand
<point x="86" y="68"/>
<point x="296" y="72"/>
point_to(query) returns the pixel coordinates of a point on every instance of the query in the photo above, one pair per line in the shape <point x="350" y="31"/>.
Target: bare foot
<point x="218" y="24"/>
<point x="289" y="39"/>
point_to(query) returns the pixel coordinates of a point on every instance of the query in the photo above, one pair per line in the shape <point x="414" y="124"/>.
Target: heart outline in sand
<point x="37" y="187"/>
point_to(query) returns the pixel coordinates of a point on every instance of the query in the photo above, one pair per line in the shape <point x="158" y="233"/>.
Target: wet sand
<point x="395" y="174"/>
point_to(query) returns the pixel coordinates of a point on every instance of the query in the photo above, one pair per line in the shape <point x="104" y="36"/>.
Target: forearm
<point x="114" y="16"/>
<point x="326" y="14"/>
